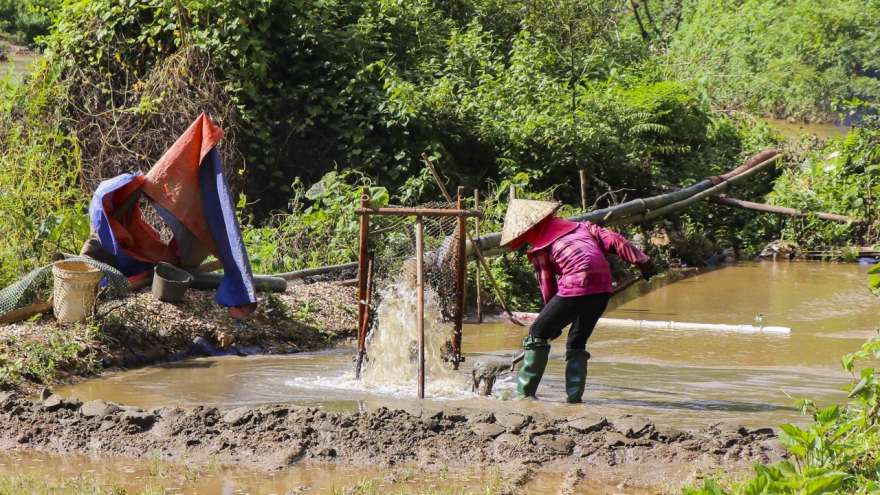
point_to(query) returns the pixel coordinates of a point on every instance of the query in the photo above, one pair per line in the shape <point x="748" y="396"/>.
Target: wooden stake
<point x="479" y="284"/>
<point x="365" y="322"/>
<point x="420" y="311"/>
<point x="512" y="194"/>
<point x="362" y="278"/>
<point x="460" y="281"/>
<point x="583" y="190"/>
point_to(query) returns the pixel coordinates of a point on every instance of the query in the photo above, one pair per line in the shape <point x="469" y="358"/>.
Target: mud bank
<point x="276" y="436"/>
<point x="139" y="330"/>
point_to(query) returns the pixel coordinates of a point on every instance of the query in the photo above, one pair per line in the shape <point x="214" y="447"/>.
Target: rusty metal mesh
<point x="392" y="244"/>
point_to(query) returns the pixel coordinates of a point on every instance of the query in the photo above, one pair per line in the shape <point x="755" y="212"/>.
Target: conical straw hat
<point x="523" y="214"/>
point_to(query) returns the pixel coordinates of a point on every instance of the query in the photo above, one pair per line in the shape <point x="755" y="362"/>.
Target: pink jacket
<point x="575" y="253"/>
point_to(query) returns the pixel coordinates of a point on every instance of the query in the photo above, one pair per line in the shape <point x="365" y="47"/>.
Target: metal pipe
<point x="420" y="309"/>
<point x="411" y="212"/>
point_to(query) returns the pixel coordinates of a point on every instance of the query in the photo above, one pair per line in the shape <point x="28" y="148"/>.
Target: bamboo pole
<point x="460" y="281"/>
<point x="748" y="205"/>
<point x="583" y="174"/>
<point x="479" y="283"/>
<point x="312" y="272"/>
<point x="637" y="209"/>
<point x="362" y="276"/>
<point x="414" y="212"/>
<point x="420" y="310"/>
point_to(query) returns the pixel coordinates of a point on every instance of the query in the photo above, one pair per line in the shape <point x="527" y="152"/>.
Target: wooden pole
<point x="479" y="282"/>
<point x="365" y="321"/>
<point x="362" y="278"/>
<point x="780" y="210"/>
<point x="512" y="193"/>
<point x="412" y="212"/>
<point x="420" y="310"/>
<point x="20" y="314"/>
<point x="460" y="280"/>
<point x="583" y="189"/>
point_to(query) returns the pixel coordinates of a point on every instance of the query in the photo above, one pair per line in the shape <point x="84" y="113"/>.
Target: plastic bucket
<point x="170" y="283"/>
<point x="76" y="288"/>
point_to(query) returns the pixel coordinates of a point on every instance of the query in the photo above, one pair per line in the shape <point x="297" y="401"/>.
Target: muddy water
<point x="162" y="476"/>
<point x="678" y="378"/>
<point x="796" y="129"/>
<point x="18" y="64"/>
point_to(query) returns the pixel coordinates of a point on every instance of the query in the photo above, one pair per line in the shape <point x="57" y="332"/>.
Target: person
<point x="575" y="282"/>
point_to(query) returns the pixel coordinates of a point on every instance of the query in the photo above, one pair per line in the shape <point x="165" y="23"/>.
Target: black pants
<point x="581" y="312"/>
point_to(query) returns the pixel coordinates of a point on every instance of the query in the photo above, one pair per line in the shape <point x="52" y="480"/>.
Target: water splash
<point x="391" y="367"/>
<point x="393" y="346"/>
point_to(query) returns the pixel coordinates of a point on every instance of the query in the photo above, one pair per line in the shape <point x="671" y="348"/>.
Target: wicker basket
<point x="76" y="288"/>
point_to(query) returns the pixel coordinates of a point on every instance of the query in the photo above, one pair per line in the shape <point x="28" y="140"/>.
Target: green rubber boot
<point x="534" y="364"/>
<point x="575" y="374"/>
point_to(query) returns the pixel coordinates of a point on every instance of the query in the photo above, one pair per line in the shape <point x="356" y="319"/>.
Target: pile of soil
<point x="275" y="436"/>
<point x="138" y="329"/>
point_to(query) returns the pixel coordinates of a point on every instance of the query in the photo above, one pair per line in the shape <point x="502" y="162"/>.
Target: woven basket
<point x="76" y="289"/>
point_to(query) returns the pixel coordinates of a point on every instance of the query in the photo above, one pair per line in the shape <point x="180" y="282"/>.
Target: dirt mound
<point x="279" y="435"/>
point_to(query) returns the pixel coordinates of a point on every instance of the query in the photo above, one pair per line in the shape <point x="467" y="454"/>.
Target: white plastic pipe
<point x="680" y="325"/>
<point x="673" y="325"/>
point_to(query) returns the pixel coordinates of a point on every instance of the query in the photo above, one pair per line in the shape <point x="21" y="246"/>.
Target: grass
<point x="25" y="484"/>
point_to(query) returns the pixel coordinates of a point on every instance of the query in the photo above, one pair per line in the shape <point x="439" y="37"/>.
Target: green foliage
<point x="44" y="361"/>
<point x="319" y="228"/>
<point x="801" y="59"/>
<point x="834" y="176"/>
<point x="836" y="454"/>
<point x="42" y="204"/>
<point x="488" y="88"/>
<point x="26" y="20"/>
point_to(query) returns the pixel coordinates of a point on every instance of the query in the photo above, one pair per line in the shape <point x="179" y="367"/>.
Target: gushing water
<point x="391" y="366"/>
<point x="392" y="348"/>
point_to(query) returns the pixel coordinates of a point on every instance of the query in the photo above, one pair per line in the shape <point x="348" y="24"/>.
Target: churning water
<point x="391" y="367"/>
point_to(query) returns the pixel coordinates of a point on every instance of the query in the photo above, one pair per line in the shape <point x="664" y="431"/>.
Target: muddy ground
<point x="276" y="436"/>
<point x="138" y="330"/>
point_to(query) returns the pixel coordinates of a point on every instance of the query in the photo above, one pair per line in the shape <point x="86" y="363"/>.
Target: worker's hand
<point x="648" y="269"/>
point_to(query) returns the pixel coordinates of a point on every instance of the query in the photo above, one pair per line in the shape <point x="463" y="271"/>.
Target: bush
<point x="26" y="20"/>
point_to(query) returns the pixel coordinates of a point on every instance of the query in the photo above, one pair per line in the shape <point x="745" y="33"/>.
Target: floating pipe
<point x="679" y="325"/>
<point x="675" y="325"/>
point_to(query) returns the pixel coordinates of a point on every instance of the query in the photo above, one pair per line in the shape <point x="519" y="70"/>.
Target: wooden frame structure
<point x="365" y="274"/>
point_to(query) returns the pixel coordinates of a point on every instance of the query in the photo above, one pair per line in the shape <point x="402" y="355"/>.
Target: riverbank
<point x="138" y="330"/>
<point x="276" y="436"/>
